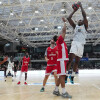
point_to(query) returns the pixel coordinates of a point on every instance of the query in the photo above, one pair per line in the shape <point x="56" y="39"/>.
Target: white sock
<point x="73" y="73"/>
<point x="20" y="76"/>
<point x="43" y="86"/>
<point x="63" y="90"/>
<point x="67" y="73"/>
<point x="57" y="88"/>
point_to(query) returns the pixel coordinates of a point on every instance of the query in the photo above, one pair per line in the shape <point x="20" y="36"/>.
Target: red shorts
<point x="61" y="67"/>
<point x="50" y="69"/>
<point x="24" y="69"/>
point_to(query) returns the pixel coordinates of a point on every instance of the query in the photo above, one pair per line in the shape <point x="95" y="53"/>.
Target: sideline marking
<point x="52" y="83"/>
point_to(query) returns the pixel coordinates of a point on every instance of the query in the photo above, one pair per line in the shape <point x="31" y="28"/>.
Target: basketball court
<point x="29" y="25"/>
<point x="86" y="87"/>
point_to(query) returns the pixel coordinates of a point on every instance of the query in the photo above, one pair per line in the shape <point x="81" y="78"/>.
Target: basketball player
<point x="10" y="67"/>
<point x="25" y="62"/>
<point x="62" y="60"/>
<point x="9" y="71"/>
<point x="78" y="42"/>
<point x="15" y="69"/>
<point x="5" y="64"/>
<point x="51" y="59"/>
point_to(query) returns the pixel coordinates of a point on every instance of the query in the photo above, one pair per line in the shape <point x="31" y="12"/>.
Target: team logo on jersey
<point x="79" y="30"/>
<point x="25" y="62"/>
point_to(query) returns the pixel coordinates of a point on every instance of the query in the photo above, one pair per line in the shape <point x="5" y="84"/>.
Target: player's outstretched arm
<point x="69" y="18"/>
<point x="64" y="28"/>
<point x="84" y="16"/>
<point x="46" y="59"/>
<point x="5" y="59"/>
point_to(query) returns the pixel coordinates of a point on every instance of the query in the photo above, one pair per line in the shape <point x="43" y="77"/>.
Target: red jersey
<point x="25" y="61"/>
<point x="52" y="56"/>
<point x="62" y="49"/>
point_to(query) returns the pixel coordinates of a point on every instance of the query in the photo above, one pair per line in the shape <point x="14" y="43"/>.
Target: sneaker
<point x="57" y="93"/>
<point x="18" y="82"/>
<point x="71" y="79"/>
<point x="66" y="95"/>
<point x="25" y="83"/>
<point x="65" y="81"/>
<point x="42" y="89"/>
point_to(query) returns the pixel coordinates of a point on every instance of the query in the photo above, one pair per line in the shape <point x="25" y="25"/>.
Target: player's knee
<point x="70" y="61"/>
<point x="76" y="62"/>
<point x="55" y="75"/>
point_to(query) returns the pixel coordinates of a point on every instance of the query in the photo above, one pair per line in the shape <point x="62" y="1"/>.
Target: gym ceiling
<point x="35" y="22"/>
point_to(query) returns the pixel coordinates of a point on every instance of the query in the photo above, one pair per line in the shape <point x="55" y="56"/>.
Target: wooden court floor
<point x="86" y="87"/>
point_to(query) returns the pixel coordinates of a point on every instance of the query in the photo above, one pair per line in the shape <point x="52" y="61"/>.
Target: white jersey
<point x="10" y="65"/>
<point x="80" y="34"/>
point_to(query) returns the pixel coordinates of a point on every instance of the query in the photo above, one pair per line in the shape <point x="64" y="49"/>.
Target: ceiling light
<point x="45" y="26"/>
<point x="87" y="17"/>
<point x="62" y="9"/>
<point x="36" y="11"/>
<point x="59" y="27"/>
<point x="0" y="2"/>
<point x="41" y="20"/>
<point x="20" y="22"/>
<point x="16" y="39"/>
<point x="89" y="8"/>
<point x="28" y="0"/>
<point x="11" y="14"/>
<point x="36" y="29"/>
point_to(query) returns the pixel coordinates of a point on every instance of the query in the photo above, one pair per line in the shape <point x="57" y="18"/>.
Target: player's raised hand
<point x="79" y="3"/>
<point x="64" y="19"/>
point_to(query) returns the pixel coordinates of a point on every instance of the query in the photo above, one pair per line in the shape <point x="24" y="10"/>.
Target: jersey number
<point x="51" y="58"/>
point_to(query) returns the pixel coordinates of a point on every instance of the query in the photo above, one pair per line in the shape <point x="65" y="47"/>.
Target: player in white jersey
<point x="77" y="46"/>
<point x="10" y="66"/>
<point x="9" y="71"/>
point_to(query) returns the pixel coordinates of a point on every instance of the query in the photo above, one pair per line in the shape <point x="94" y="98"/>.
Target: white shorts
<point x="11" y="71"/>
<point x="77" y="48"/>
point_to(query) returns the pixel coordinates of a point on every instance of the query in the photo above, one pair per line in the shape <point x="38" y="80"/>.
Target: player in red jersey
<point x="51" y="59"/>
<point x="25" y="62"/>
<point x="62" y="60"/>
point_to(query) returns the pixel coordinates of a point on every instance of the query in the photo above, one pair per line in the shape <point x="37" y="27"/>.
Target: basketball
<point x="75" y="6"/>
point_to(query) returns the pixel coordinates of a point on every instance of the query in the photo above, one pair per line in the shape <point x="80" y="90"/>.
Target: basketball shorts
<point x="24" y="69"/>
<point x="50" y="69"/>
<point x="77" y="48"/>
<point x="61" y="67"/>
<point x="9" y="70"/>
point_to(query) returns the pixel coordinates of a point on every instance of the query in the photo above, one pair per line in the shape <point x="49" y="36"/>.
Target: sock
<point x="66" y="73"/>
<point x="20" y="76"/>
<point x="57" y="88"/>
<point x="63" y="90"/>
<point x="43" y="86"/>
<point x="73" y="74"/>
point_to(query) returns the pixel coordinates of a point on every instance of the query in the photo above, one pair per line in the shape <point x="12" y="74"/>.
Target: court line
<point x="52" y="83"/>
<point x="96" y="86"/>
